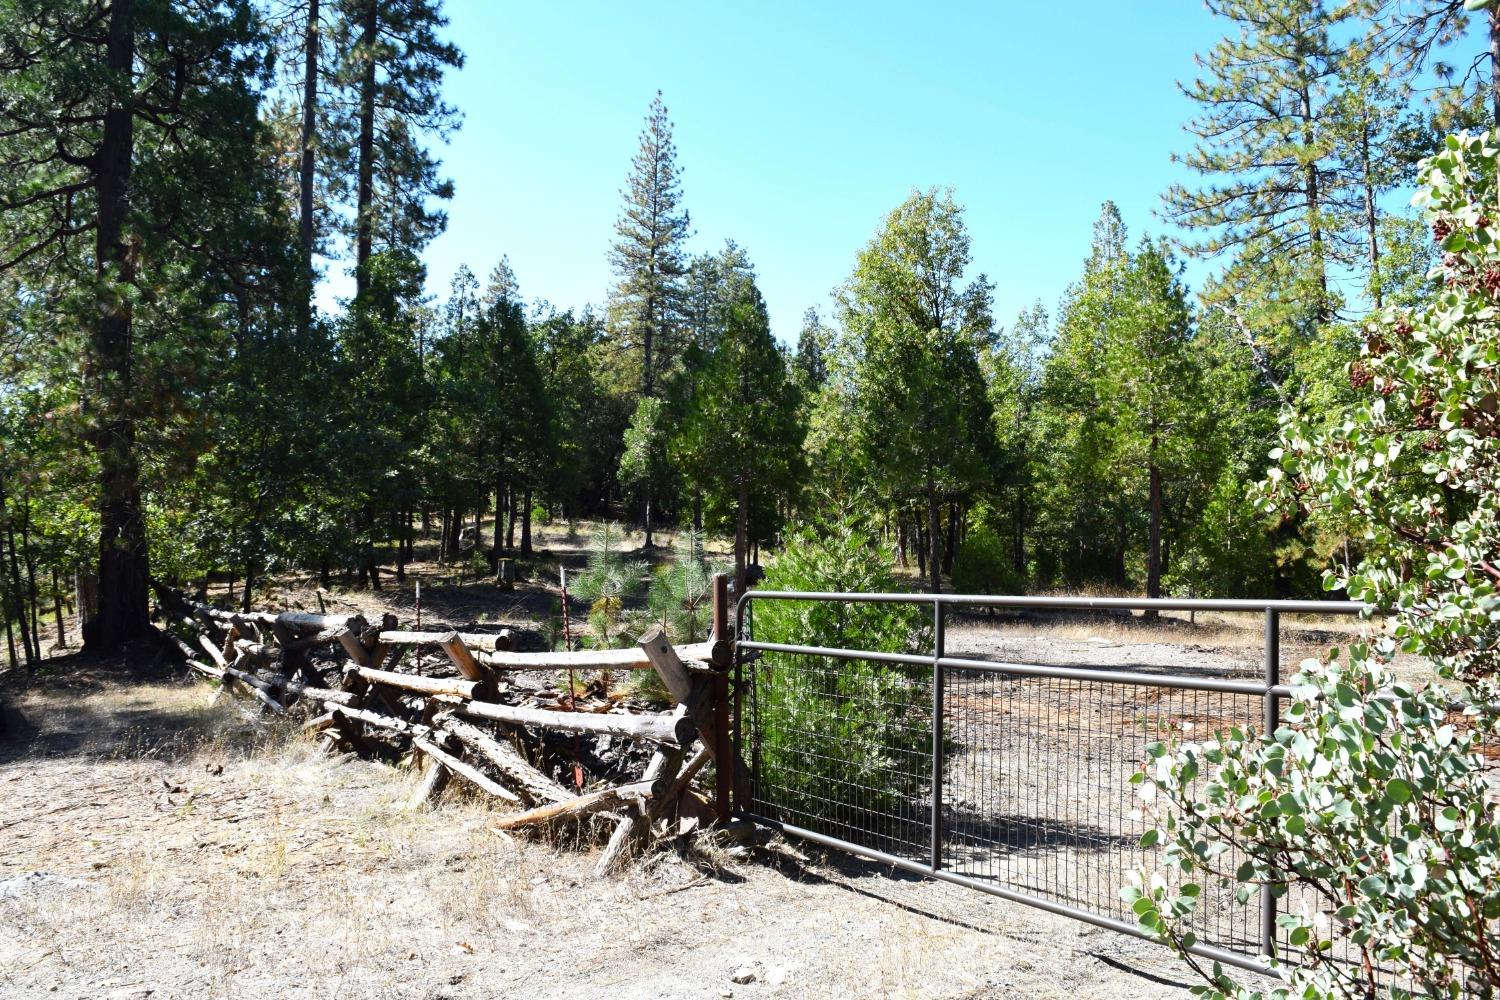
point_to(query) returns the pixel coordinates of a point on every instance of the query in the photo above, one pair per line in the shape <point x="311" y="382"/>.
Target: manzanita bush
<point x="1368" y="813"/>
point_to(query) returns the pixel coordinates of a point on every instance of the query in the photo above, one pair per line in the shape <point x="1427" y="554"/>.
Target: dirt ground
<point x="155" y="844"/>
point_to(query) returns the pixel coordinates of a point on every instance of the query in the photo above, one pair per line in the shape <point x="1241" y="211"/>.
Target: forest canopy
<point x="177" y="180"/>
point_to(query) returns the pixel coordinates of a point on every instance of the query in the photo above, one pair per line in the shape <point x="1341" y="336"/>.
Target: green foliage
<point x="1371" y="795"/>
<point x="605" y="585"/>
<point x="740" y="444"/>
<point x="840" y="733"/>
<point x="921" y="419"/>
<point x="984" y="566"/>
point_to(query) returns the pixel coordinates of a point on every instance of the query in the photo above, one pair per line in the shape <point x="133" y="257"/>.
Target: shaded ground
<point x="153" y="844"/>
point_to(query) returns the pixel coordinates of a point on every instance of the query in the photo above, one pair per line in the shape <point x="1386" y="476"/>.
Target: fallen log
<point x="356" y="650"/>
<point x="532" y="784"/>
<point x="695" y="692"/>
<point x="216" y="673"/>
<point x="422" y="685"/>
<point x="463" y="660"/>
<point x="482" y="641"/>
<point x="463" y="770"/>
<point x="659" y="774"/>
<point x="257" y="687"/>
<point x="432" y="784"/>
<point x="413" y="729"/>
<point x="212" y="650"/>
<point x="662" y="728"/>
<point x="580" y="806"/>
<point x="595" y="659"/>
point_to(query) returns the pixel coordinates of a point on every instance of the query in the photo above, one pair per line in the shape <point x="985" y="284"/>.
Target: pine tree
<point x="922" y="419"/>
<point x="132" y="125"/>
<point x="647" y="256"/>
<point x="1263" y="137"/>
<point x="740" y="444"/>
<point x="1414" y="37"/>
<point x="392" y="65"/>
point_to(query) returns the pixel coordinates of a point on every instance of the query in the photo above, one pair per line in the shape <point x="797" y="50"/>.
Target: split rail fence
<point x="466" y="706"/>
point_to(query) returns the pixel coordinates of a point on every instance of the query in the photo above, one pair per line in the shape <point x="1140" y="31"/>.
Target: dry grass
<point x="155" y="843"/>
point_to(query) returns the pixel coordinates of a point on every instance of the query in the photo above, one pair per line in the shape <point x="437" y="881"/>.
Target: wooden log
<point x="376" y="719"/>
<point x="659" y="773"/>
<point x="257" y="650"/>
<point x="257" y="687"/>
<point x="579" y="806"/>
<point x="356" y="650"/>
<point x="422" y="685"/>
<point x="467" y="771"/>
<point x="213" y="651"/>
<point x="483" y="641"/>
<point x="532" y="784"/>
<point x="693" y="691"/>
<point x="217" y="673"/>
<point x="687" y="774"/>
<point x="432" y="784"/>
<point x="662" y="728"/>
<point x="453" y="645"/>
<point x="694" y="656"/>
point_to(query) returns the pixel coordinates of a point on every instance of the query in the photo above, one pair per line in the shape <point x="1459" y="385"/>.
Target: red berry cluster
<point x="1359" y="376"/>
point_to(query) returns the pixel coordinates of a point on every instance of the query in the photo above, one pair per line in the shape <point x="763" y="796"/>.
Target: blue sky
<point x="799" y="126"/>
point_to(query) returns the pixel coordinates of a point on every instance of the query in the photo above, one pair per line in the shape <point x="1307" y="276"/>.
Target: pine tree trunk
<point x="650" y="537"/>
<point x="510" y="518"/>
<point x="364" y="220"/>
<point x="741" y="535"/>
<point x="1371" y="218"/>
<point x="250" y="570"/>
<point x="17" y="601"/>
<point x="921" y="545"/>
<point x="57" y="609"/>
<point x="1495" y="65"/>
<point x="33" y="595"/>
<point x="307" y="174"/>
<point x="952" y="546"/>
<point x="124" y="571"/>
<point x="1018" y="531"/>
<point x="1119" y="553"/>
<point x="526" y="522"/>
<point x="934" y="538"/>
<point x="1153" y="539"/>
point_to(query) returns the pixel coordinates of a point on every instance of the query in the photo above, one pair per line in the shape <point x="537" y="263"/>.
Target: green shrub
<point x="983" y="565"/>
<point x="1370" y="798"/>
<point x="605" y="584"/>
<point x="840" y="738"/>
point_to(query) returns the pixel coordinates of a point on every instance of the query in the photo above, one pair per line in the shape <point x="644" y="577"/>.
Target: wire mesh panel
<point x="996" y="758"/>
<point x="1037" y="794"/>
<point x="844" y="748"/>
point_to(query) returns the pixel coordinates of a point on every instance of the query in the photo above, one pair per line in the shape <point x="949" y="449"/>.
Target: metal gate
<point x="1008" y="777"/>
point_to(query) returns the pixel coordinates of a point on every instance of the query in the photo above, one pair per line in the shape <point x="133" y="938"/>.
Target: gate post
<point x="1271" y="720"/>
<point x="726" y="751"/>
<point x="938" y="623"/>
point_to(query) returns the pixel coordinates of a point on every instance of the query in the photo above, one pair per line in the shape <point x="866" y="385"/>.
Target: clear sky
<point x="799" y="125"/>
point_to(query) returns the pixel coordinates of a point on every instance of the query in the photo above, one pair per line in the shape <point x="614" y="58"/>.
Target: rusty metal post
<point x="724" y="754"/>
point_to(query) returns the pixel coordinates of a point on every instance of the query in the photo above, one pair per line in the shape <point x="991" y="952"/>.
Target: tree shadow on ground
<point x="125" y="705"/>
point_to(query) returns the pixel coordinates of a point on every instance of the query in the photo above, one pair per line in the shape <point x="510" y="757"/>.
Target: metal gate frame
<point x="1269" y="688"/>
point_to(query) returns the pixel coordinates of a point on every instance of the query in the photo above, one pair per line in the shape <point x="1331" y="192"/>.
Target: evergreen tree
<point x="916" y="332"/>
<point x="133" y="126"/>
<point x="741" y="441"/>
<point x="647" y="255"/>
<point x="1263" y="138"/>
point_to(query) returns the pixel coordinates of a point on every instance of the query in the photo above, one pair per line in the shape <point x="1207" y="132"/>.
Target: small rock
<point x="744" y="974"/>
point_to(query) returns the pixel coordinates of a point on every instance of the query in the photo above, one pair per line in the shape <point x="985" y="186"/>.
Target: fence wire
<point x="1031" y="778"/>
